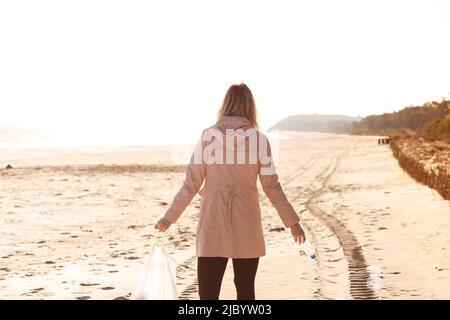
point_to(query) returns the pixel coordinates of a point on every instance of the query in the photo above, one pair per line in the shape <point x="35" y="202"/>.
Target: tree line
<point x="430" y="121"/>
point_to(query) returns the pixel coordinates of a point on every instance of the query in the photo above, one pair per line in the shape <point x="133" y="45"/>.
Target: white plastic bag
<point x="157" y="280"/>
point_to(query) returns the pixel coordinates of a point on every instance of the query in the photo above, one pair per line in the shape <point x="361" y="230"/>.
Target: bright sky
<point x="161" y="68"/>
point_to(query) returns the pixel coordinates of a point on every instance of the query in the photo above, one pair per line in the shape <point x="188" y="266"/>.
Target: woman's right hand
<point x="297" y="233"/>
<point x="162" y="225"/>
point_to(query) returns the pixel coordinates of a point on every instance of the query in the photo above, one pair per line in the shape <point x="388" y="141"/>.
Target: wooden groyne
<point x="427" y="162"/>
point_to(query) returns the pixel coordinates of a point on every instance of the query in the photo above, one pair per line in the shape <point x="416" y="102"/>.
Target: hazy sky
<point x="139" y="67"/>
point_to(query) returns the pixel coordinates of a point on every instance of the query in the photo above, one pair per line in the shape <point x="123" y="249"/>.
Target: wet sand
<point x="75" y="224"/>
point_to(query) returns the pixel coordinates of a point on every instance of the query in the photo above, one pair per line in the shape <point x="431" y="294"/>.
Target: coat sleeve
<point x="272" y="187"/>
<point x="195" y="174"/>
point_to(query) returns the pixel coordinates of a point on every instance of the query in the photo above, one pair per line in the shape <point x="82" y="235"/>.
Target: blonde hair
<point x="239" y="101"/>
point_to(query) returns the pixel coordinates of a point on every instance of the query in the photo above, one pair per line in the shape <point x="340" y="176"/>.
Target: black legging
<point x="210" y="272"/>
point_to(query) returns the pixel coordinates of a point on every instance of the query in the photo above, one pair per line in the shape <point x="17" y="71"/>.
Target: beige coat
<point x="229" y="224"/>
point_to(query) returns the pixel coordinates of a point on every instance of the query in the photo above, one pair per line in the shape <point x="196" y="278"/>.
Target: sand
<point x="76" y="223"/>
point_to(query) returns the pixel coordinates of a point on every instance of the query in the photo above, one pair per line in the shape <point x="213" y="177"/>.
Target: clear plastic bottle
<point x="307" y="249"/>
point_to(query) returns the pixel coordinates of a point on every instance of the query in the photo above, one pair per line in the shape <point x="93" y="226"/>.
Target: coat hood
<point x="237" y="126"/>
<point x="233" y="122"/>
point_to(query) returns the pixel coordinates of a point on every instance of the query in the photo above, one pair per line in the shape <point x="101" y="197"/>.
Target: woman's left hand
<point x="297" y="233"/>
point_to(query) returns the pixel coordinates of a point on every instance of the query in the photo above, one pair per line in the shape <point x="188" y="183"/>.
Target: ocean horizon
<point x="34" y="138"/>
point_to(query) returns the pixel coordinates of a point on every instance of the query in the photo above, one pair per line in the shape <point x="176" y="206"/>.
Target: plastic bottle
<point x="307" y="249"/>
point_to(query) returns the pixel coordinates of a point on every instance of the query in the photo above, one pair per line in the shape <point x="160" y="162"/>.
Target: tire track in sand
<point x="330" y="277"/>
<point x="358" y="275"/>
<point x="184" y="271"/>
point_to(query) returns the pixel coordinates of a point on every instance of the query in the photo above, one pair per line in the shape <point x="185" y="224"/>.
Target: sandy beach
<point x="76" y="223"/>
